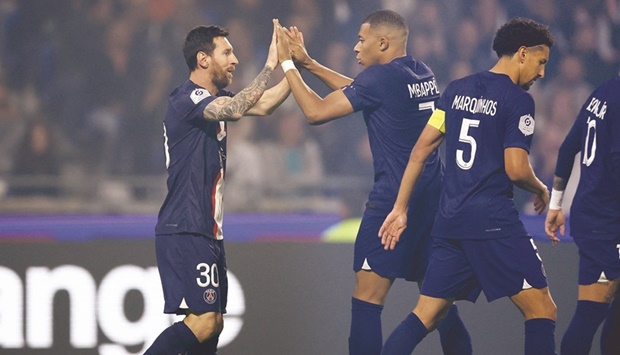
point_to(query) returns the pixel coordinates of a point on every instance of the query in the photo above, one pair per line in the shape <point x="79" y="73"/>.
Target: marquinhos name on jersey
<point x="474" y="105"/>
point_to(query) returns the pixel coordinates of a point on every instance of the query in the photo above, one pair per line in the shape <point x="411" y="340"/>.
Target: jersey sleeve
<point x="569" y="148"/>
<point x="200" y="102"/>
<point x="361" y="92"/>
<point x="189" y="104"/>
<point x="520" y="123"/>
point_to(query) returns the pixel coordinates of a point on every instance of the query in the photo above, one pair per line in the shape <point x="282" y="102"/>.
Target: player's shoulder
<point x="610" y="88"/>
<point x="418" y="66"/>
<point x="187" y="95"/>
<point x="613" y="83"/>
<point x="504" y="89"/>
<point x="397" y="66"/>
<point x="410" y="68"/>
<point x="460" y="85"/>
<point x="605" y="100"/>
<point x="373" y="73"/>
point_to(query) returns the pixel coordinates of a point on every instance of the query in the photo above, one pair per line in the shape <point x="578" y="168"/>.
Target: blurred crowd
<point x="83" y="88"/>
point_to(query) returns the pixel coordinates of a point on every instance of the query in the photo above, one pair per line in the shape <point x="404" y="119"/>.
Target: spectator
<point x="38" y="156"/>
<point x="244" y="171"/>
<point x="293" y="165"/>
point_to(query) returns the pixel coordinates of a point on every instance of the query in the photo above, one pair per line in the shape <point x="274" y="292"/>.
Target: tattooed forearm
<point x="559" y="183"/>
<point x="226" y="108"/>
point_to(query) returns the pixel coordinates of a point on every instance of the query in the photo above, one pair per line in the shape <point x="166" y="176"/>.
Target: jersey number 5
<point x="466" y="138"/>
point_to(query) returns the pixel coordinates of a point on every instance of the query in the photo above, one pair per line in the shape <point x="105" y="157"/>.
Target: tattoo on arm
<point x="227" y="108"/>
<point x="559" y="183"/>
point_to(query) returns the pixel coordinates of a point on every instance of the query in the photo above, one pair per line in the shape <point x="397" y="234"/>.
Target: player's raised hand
<point x="298" y="47"/>
<point x="272" y="57"/>
<point x="284" y="50"/>
<point x="391" y="229"/>
<point x="555" y="220"/>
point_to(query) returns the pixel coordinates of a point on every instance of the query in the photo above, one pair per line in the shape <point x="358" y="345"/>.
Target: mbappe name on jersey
<point x="422" y="89"/>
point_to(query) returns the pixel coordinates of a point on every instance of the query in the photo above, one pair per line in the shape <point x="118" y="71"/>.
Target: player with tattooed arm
<point x="189" y="235"/>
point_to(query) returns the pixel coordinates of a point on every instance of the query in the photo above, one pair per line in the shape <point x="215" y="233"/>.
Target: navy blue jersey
<point x="196" y="163"/>
<point x="396" y="99"/>
<point x="595" y="212"/>
<point x="485" y="113"/>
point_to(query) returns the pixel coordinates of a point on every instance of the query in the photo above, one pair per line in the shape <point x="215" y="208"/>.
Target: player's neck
<point x="391" y="56"/>
<point x="203" y="81"/>
<point x="506" y="65"/>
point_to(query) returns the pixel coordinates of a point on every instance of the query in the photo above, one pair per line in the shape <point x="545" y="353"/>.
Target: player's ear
<point x="202" y="59"/>
<point x="384" y="44"/>
<point x="522" y="53"/>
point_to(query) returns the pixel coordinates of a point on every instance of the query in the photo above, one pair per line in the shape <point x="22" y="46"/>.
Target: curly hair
<point x="521" y="32"/>
<point x="201" y="39"/>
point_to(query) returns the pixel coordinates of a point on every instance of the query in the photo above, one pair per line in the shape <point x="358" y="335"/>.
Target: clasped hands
<point x="289" y="43"/>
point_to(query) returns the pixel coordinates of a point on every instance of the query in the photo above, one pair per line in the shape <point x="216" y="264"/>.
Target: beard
<point x="221" y="79"/>
<point x="529" y="84"/>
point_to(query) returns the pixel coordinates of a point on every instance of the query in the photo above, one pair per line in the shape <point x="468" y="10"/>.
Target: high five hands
<point x="290" y="45"/>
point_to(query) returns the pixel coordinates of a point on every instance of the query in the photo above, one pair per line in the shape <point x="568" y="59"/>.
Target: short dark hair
<point x="201" y="39"/>
<point x="521" y="32"/>
<point x="386" y="17"/>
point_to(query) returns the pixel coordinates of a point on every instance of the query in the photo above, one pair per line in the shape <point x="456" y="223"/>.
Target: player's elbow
<point x="268" y="111"/>
<point x="258" y="111"/>
<point x="517" y="175"/>
<point x="314" y="123"/>
<point x="234" y="117"/>
<point x="517" y="166"/>
<point x="314" y="118"/>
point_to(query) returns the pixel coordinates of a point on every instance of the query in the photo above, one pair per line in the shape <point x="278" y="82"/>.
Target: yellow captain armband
<point x="438" y="120"/>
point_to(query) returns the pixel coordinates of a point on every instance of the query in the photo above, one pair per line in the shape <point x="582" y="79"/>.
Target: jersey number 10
<point x="589" y="146"/>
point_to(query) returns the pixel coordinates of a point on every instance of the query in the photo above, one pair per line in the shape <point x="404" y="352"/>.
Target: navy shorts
<point x="192" y="269"/>
<point x="409" y="258"/>
<point x="461" y="269"/>
<point x="599" y="260"/>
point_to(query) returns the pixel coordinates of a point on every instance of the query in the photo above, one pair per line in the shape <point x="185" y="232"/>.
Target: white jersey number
<point x="589" y="150"/>
<point x="466" y="138"/>
<point x="209" y="275"/>
<point x="166" y="151"/>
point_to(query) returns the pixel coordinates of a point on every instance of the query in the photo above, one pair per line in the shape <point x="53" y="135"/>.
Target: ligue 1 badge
<point x="526" y="125"/>
<point x="198" y="95"/>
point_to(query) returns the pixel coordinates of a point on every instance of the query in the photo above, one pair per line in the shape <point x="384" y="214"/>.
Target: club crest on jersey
<point x="526" y="124"/>
<point x="210" y="296"/>
<point x="198" y="95"/>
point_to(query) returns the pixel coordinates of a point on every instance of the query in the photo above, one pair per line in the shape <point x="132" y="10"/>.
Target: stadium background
<point x="83" y="88"/>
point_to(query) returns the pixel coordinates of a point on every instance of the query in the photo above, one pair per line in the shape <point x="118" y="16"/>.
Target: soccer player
<point x="189" y="238"/>
<point x="396" y="94"/>
<point x="479" y="242"/>
<point x="594" y="214"/>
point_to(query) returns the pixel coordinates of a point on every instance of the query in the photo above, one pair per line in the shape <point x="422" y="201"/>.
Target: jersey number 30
<point x="466" y="138"/>
<point x="209" y="275"/>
